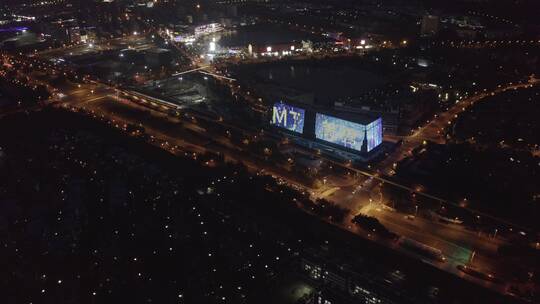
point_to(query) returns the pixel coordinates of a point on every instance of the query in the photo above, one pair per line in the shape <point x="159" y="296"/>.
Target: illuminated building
<point x="279" y="49"/>
<point x="288" y="117"/>
<point x="361" y="137"/>
<point x="74" y="34"/>
<point x="343" y="284"/>
<point x="346" y="136"/>
<point x="207" y="29"/>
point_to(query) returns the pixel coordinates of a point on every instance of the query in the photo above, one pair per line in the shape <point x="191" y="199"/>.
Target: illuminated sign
<point x="340" y="132"/>
<point x="288" y="117"/>
<point x="346" y="133"/>
<point x="208" y="29"/>
<point x="184" y="38"/>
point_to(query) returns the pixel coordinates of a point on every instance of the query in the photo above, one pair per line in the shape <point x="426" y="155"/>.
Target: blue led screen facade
<point x="346" y="133"/>
<point x="374" y="134"/>
<point x="338" y="131"/>
<point x="288" y="117"/>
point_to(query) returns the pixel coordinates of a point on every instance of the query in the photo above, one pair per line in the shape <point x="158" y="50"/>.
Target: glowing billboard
<point x="346" y="133"/>
<point x="288" y="117"/>
<point x="374" y="134"/>
<point x="340" y="132"/>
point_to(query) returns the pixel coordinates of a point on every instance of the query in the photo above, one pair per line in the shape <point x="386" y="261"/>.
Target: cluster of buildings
<point x="467" y="27"/>
<point x="62" y="22"/>
<point x="68" y="31"/>
<point x="207" y="36"/>
<point x="338" y="283"/>
<point x="190" y="33"/>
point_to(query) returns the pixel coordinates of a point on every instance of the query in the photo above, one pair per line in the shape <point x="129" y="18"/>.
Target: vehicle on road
<point x="478" y="274"/>
<point x="421" y="249"/>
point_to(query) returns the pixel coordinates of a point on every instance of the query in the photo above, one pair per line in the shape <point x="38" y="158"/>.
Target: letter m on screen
<point x="279" y="116"/>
